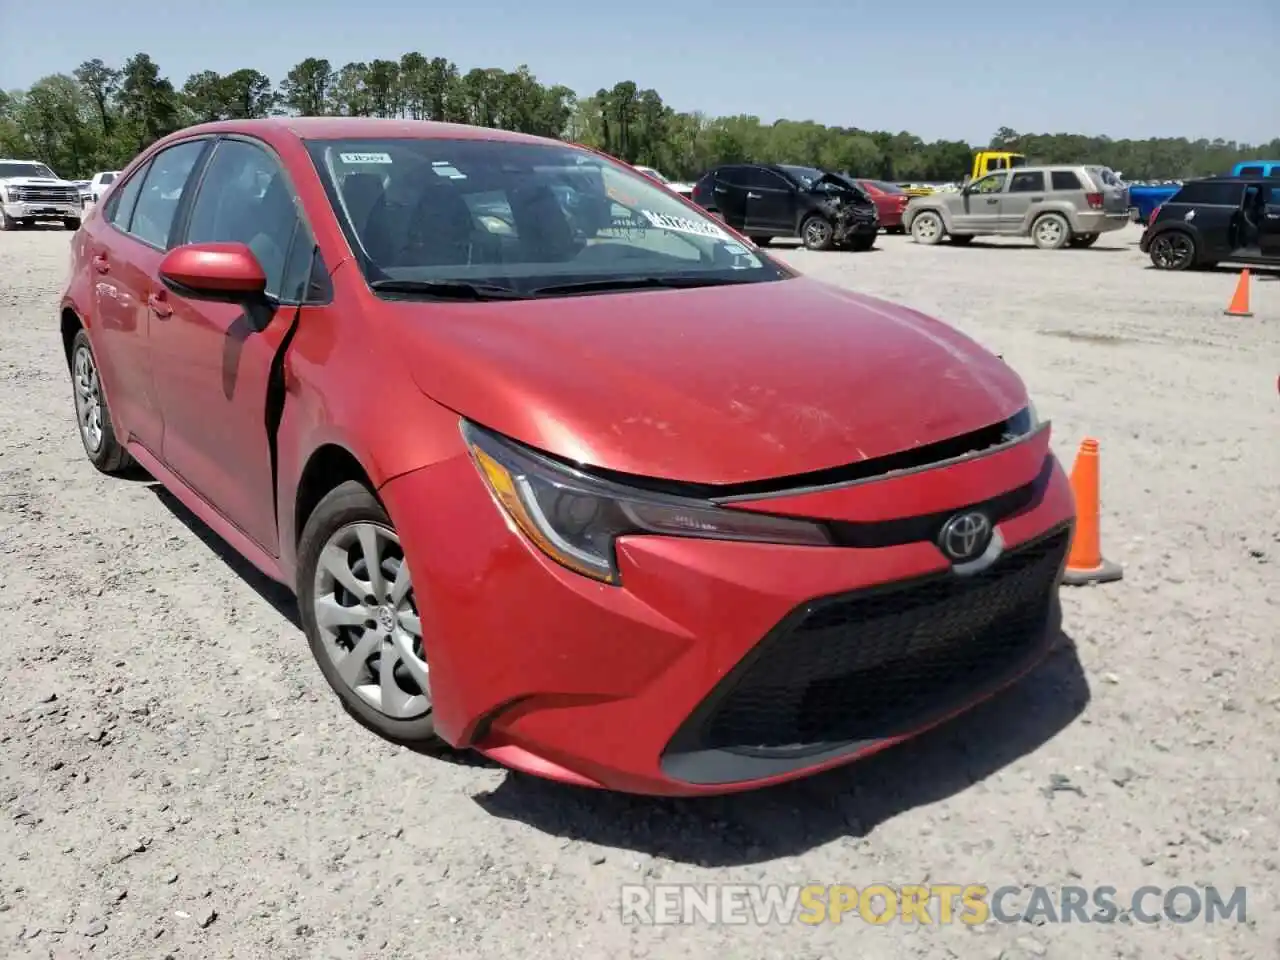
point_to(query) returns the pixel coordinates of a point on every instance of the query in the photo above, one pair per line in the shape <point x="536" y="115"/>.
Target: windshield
<point x="518" y="215"/>
<point x="885" y="187"/>
<point x="20" y="169"/>
<point x="807" y="176"/>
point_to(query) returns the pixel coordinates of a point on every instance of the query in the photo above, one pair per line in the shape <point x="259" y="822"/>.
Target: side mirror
<point x="221" y="272"/>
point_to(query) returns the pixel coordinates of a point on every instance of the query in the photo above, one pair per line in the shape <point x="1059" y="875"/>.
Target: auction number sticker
<point x="365" y="157"/>
<point x="681" y="225"/>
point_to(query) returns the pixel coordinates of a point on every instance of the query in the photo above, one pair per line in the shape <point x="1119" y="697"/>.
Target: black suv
<point x="1215" y="219"/>
<point x="765" y="200"/>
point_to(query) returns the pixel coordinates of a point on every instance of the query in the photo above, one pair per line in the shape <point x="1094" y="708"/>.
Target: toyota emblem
<point x="965" y="536"/>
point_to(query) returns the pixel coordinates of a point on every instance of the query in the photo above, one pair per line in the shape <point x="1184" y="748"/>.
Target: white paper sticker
<point x="736" y="248"/>
<point x="681" y="225"/>
<point x="365" y="157"/>
<point x="445" y="169"/>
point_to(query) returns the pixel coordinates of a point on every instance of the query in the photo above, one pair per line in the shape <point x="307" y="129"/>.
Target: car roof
<point x="373" y="128"/>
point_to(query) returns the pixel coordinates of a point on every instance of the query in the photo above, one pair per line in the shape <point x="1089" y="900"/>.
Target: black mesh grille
<point x="877" y="663"/>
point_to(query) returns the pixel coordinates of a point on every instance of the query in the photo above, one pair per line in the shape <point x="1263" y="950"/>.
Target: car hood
<point x="714" y="385"/>
<point x="35" y="182"/>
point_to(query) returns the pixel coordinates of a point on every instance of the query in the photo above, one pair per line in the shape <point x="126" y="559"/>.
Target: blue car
<point x="1144" y="198"/>
<point x="1256" y="168"/>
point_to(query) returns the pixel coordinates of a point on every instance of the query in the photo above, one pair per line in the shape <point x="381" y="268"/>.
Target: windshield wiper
<point x="633" y="283"/>
<point x="449" y="289"/>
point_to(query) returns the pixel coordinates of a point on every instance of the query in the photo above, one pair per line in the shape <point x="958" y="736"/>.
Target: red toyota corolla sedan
<point x="890" y="200"/>
<point x="559" y="468"/>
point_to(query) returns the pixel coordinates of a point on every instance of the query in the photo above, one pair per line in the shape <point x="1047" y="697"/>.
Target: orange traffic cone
<point x="1085" y="563"/>
<point x="1239" y="305"/>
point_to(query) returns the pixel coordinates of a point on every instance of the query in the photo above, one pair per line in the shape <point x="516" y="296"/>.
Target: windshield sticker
<point x="681" y="225"/>
<point x="445" y="169"/>
<point x="736" y="249"/>
<point x="365" y="157"/>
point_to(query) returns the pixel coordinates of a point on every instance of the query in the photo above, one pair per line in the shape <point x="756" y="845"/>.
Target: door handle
<point x="721" y="189"/>
<point x="159" y="304"/>
<point x="753" y="196"/>
<point x="100" y="263"/>
<point x="1037" y="199"/>
<point x="1273" y="216"/>
<point x="994" y="200"/>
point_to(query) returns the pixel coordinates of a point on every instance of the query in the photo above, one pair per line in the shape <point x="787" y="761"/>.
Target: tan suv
<point x="1056" y="206"/>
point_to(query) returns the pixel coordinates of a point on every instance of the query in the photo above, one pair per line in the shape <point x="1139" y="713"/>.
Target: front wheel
<point x="927" y="228"/>
<point x="1173" y="250"/>
<point x="817" y="233"/>
<point x="71" y="223"/>
<point x="861" y="244"/>
<point x="93" y="417"/>
<point x="1081" y="240"/>
<point x="7" y="222"/>
<point x="359" y="611"/>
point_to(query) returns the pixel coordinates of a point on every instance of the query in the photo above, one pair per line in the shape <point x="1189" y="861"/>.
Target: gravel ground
<point x="177" y="781"/>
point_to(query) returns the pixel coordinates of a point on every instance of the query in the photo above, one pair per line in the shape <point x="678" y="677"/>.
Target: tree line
<point x="98" y="117"/>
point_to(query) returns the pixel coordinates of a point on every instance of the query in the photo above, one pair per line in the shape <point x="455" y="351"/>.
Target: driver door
<point x="212" y="361"/>
<point x="980" y="205"/>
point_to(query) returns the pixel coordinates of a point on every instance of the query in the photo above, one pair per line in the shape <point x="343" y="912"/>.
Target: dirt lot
<point x="177" y="781"/>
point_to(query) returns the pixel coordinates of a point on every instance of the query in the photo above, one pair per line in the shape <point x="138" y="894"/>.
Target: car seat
<point x="365" y="200"/>
<point x="546" y="235"/>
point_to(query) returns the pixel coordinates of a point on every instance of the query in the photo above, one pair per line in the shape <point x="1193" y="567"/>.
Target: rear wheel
<point x="360" y="614"/>
<point x="1173" y="250"/>
<point x="927" y="228"/>
<point x="1051" y="231"/>
<point x="817" y="233"/>
<point x="93" y="417"/>
<point x="1084" y="239"/>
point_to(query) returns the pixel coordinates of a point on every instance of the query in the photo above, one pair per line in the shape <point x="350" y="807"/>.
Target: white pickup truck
<point x="30" y="191"/>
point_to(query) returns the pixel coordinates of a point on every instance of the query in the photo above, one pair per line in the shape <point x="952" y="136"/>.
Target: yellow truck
<point x="988" y="161"/>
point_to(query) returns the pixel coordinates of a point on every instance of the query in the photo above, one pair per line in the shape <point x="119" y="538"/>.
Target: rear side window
<point x="120" y="207"/>
<point x="1214" y="194"/>
<point x="764" y="179"/>
<point x="1066" y="180"/>
<point x="1251" y="171"/>
<point x="1027" y="182"/>
<point x="162" y="192"/>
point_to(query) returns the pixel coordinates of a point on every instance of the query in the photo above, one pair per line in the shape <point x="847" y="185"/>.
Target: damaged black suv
<point x="765" y="200"/>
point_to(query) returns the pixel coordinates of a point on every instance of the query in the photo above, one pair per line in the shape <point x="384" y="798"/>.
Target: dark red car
<point x="679" y="520"/>
<point x="890" y="200"/>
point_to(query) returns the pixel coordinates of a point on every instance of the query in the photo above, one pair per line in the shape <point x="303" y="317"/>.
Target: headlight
<point x="1026" y="421"/>
<point x="575" y="518"/>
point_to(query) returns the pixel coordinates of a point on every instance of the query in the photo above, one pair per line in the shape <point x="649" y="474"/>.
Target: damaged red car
<point x="560" y="468"/>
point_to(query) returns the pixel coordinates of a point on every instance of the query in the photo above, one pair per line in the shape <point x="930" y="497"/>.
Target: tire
<point x="1173" y="250"/>
<point x="927" y="228"/>
<point x="93" y="416"/>
<point x="7" y="222"/>
<point x="961" y="239"/>
<point x="71" y="223"/>
<point x="342" y="528"/>
<point x="816" y="233"/>
<point x="761" y="241"/>
<point x="1081" y="240"/>
<point x="1051" y="231"/>
<point x="862" y="244"/>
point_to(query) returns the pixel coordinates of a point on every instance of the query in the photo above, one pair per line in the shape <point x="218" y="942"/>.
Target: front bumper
<point x="43" y="210"/>
<point x="676" y="682"/>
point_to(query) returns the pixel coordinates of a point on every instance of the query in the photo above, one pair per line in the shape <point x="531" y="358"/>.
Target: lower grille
<point x="878" y="663"/>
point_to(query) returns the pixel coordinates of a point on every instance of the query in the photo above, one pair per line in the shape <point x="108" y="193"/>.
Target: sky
<point x="940" y="70"/>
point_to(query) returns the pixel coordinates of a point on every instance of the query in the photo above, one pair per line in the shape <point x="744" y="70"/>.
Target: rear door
<point x="1026" y="194"/>
<point x="1269" y="228"/>
<point x="126" y="250"/>
<point x="729" y="195"/>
